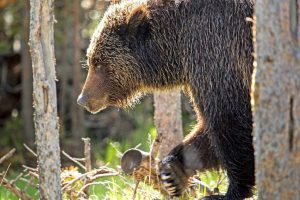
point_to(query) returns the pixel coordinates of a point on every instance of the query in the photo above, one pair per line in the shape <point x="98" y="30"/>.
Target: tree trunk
<point x="77" y="111"/>
<point x="62" y="73"/>
<point x="27" y="110"/>
<point x="168" y="121"/>
<point x="276" y="99"/>
<point x="44" y="87"/>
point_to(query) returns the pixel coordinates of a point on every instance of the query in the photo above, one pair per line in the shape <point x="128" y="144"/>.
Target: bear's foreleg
<point x="193" y="154"/>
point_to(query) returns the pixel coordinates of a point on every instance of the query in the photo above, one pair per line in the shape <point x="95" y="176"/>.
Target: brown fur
<point x="201" y="46"/>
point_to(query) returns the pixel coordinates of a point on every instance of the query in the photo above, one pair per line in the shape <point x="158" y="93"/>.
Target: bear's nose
<point x="82" y="100"/>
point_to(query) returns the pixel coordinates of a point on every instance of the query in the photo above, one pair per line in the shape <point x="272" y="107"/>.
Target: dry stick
<point x="5" y="173"/>
<point x="87" y="153"/>
<point x="135" y="190"/>
<point x="30" y="150"/>
<point x="29" y="182"/>
<point x="35" y="175"/>
<point x="103" y="175"/>
<point x="8" y="155"/>
<point x="89" y="173"/>
<point x="30" y="168"/>
<point x="17" y="178"/>
<point x="74" y="160"/>
<point x="87" y="160"/>
<point x="79" y="159"/>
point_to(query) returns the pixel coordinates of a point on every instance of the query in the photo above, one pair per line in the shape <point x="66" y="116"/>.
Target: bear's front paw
<point x="172" y="175"/>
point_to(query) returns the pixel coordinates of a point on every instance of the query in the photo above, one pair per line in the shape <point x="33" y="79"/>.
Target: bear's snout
<point x="82" y="100"/>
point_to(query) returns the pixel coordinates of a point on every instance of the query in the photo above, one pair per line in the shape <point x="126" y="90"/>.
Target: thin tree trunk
<point x="77" y="111"/>
<point x="46" y="123"/>
<point x="277" y="99"/>
<point x="168" y="120"/>
<point x="27" y="109"/>
<point x="64" y="75"/>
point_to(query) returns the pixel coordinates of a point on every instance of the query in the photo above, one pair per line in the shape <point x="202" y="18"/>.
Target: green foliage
<point x="122" y="188"/>
<point x="11" y="133"/>
<point x="7" y="195"/>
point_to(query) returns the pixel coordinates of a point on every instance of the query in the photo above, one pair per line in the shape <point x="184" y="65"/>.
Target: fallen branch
<point x="30" y="168"/>
<point x="30" y="150"/>
<point x="8" y="155"/>
<point x="74" y="160"/>
<point x="3" y="175"/>
<point x="101" y="172"/>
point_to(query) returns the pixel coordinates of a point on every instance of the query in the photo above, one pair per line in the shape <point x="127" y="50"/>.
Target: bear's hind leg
<point x="233" y="141"/>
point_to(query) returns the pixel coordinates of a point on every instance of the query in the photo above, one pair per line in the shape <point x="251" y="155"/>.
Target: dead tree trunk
<point x="277" y="99"/>
<point x="168" y="121"/>
<point x="44" y="92"/>
<point x="27" y="110"/>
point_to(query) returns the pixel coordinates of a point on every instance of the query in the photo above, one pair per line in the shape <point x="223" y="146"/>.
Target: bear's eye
<point x="95" y="63"/>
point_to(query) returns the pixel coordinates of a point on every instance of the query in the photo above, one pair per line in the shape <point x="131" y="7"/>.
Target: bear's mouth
<point x="95" y="110"/>
<point x="94" y="106"/>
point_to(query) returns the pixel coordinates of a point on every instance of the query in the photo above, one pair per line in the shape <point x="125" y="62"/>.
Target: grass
<point x="121" y="188"/>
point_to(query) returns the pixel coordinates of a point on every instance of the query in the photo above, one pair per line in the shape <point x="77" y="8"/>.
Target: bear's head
<point x="114" y="75"/>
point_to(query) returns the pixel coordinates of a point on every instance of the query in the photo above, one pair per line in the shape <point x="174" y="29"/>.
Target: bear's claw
<point x="173" y="178"/>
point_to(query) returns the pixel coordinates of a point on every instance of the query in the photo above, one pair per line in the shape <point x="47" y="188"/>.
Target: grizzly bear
<point x="202" y="47"/>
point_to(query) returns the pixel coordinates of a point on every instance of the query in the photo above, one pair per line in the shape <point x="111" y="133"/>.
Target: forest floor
<point x="120" y="187"/>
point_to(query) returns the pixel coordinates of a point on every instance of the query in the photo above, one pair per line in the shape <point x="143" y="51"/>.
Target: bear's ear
<point x="138" y="22"/>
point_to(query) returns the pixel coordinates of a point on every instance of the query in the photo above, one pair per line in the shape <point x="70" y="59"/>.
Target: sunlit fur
<point x="201" y="46"/>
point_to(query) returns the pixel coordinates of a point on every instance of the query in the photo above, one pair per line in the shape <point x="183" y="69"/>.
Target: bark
<point x="27" y="109"/>
<point x="77" y="111"/>
<point x="168" y="121"/>
<point x="276" y="99"/>
<point x="44" y="87"/>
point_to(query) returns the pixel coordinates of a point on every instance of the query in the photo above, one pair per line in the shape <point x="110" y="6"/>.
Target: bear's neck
<point x="159" y="59"/>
